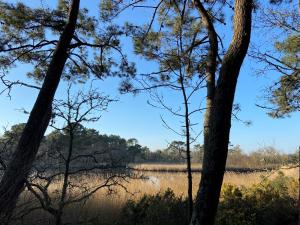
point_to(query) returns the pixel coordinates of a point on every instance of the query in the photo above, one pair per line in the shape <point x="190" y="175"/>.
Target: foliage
<point x="29" y="35"/>
<point x="290" y="48"/>
<point x="109" y="149"/>
<point x="284" y="93"/>
<point x="8" y="142"/>
<point x="160" y="209"/>
<point x="269" y="203"/>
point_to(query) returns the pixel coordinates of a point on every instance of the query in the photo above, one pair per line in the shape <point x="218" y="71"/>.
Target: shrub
<point x="160" y="209"/>
<point x="268" y="203"/>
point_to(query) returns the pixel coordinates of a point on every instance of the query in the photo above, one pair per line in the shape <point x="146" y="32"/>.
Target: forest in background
<point x="115" y="150"/>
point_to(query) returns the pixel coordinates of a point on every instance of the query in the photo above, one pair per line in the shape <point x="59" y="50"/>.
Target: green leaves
<point x="29" y="35"/>
<point x="291" y="50"/>
<point x="148" y="45"/>
<point x="270" y="202"/>
<point x="285" y="94"/>
<point x="162" y="208"/>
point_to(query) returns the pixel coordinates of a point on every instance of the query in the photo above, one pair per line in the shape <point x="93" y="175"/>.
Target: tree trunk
<point x="190" y="178"/>
<point x="188" y="149"/>
<point x="215" y="151"/>
<point x="13" y="180"/>
<point x="66" y="177"/>
<point x="211" y="66"/>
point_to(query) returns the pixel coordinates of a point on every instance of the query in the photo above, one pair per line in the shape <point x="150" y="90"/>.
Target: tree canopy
<point x="29" y="35"/>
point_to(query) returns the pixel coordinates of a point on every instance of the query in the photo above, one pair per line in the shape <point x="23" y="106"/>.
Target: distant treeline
<point x="91" y="147"/>
<point x="261" y="158"/>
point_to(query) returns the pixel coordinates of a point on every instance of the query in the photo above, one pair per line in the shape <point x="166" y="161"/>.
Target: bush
<point x="268" y="203"/>
<point x="160" y="209"/>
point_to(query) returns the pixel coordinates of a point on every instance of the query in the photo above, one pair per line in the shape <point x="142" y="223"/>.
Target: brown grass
<point x="105" y="207"/>
<point x="164" y="166"/>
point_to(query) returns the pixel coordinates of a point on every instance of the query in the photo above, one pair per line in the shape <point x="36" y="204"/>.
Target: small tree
<point x="65" y="161"/>
<point x="175" y="46"/>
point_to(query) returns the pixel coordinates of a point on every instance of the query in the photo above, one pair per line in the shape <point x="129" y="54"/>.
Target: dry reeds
<point x="105" y="206"/>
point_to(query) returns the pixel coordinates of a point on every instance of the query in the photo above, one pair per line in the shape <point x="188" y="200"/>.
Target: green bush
<point x="160" y="209"/>
<point x="268" y="203"/>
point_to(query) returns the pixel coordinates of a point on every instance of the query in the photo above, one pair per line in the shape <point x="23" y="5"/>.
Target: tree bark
<point x="216" y="148"/>
<point x="13" y="180"/>
<point x="211" y="66"/>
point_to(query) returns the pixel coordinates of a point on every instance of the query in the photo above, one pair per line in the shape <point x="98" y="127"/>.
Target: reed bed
<point x="105" y="205"/>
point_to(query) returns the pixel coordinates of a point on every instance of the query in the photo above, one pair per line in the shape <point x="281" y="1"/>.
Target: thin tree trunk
<point x="66" y="179"/>
<point x="188" y="150"/>
<point x="19" y="167"/>
<point x="216" y="149"/>
<point x="190" y="178"/>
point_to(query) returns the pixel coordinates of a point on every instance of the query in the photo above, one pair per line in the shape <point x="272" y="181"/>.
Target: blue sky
<point x="131" y="116"/>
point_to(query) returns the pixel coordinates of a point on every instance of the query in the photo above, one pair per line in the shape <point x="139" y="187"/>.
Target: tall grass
<point x="105" y="205"/>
